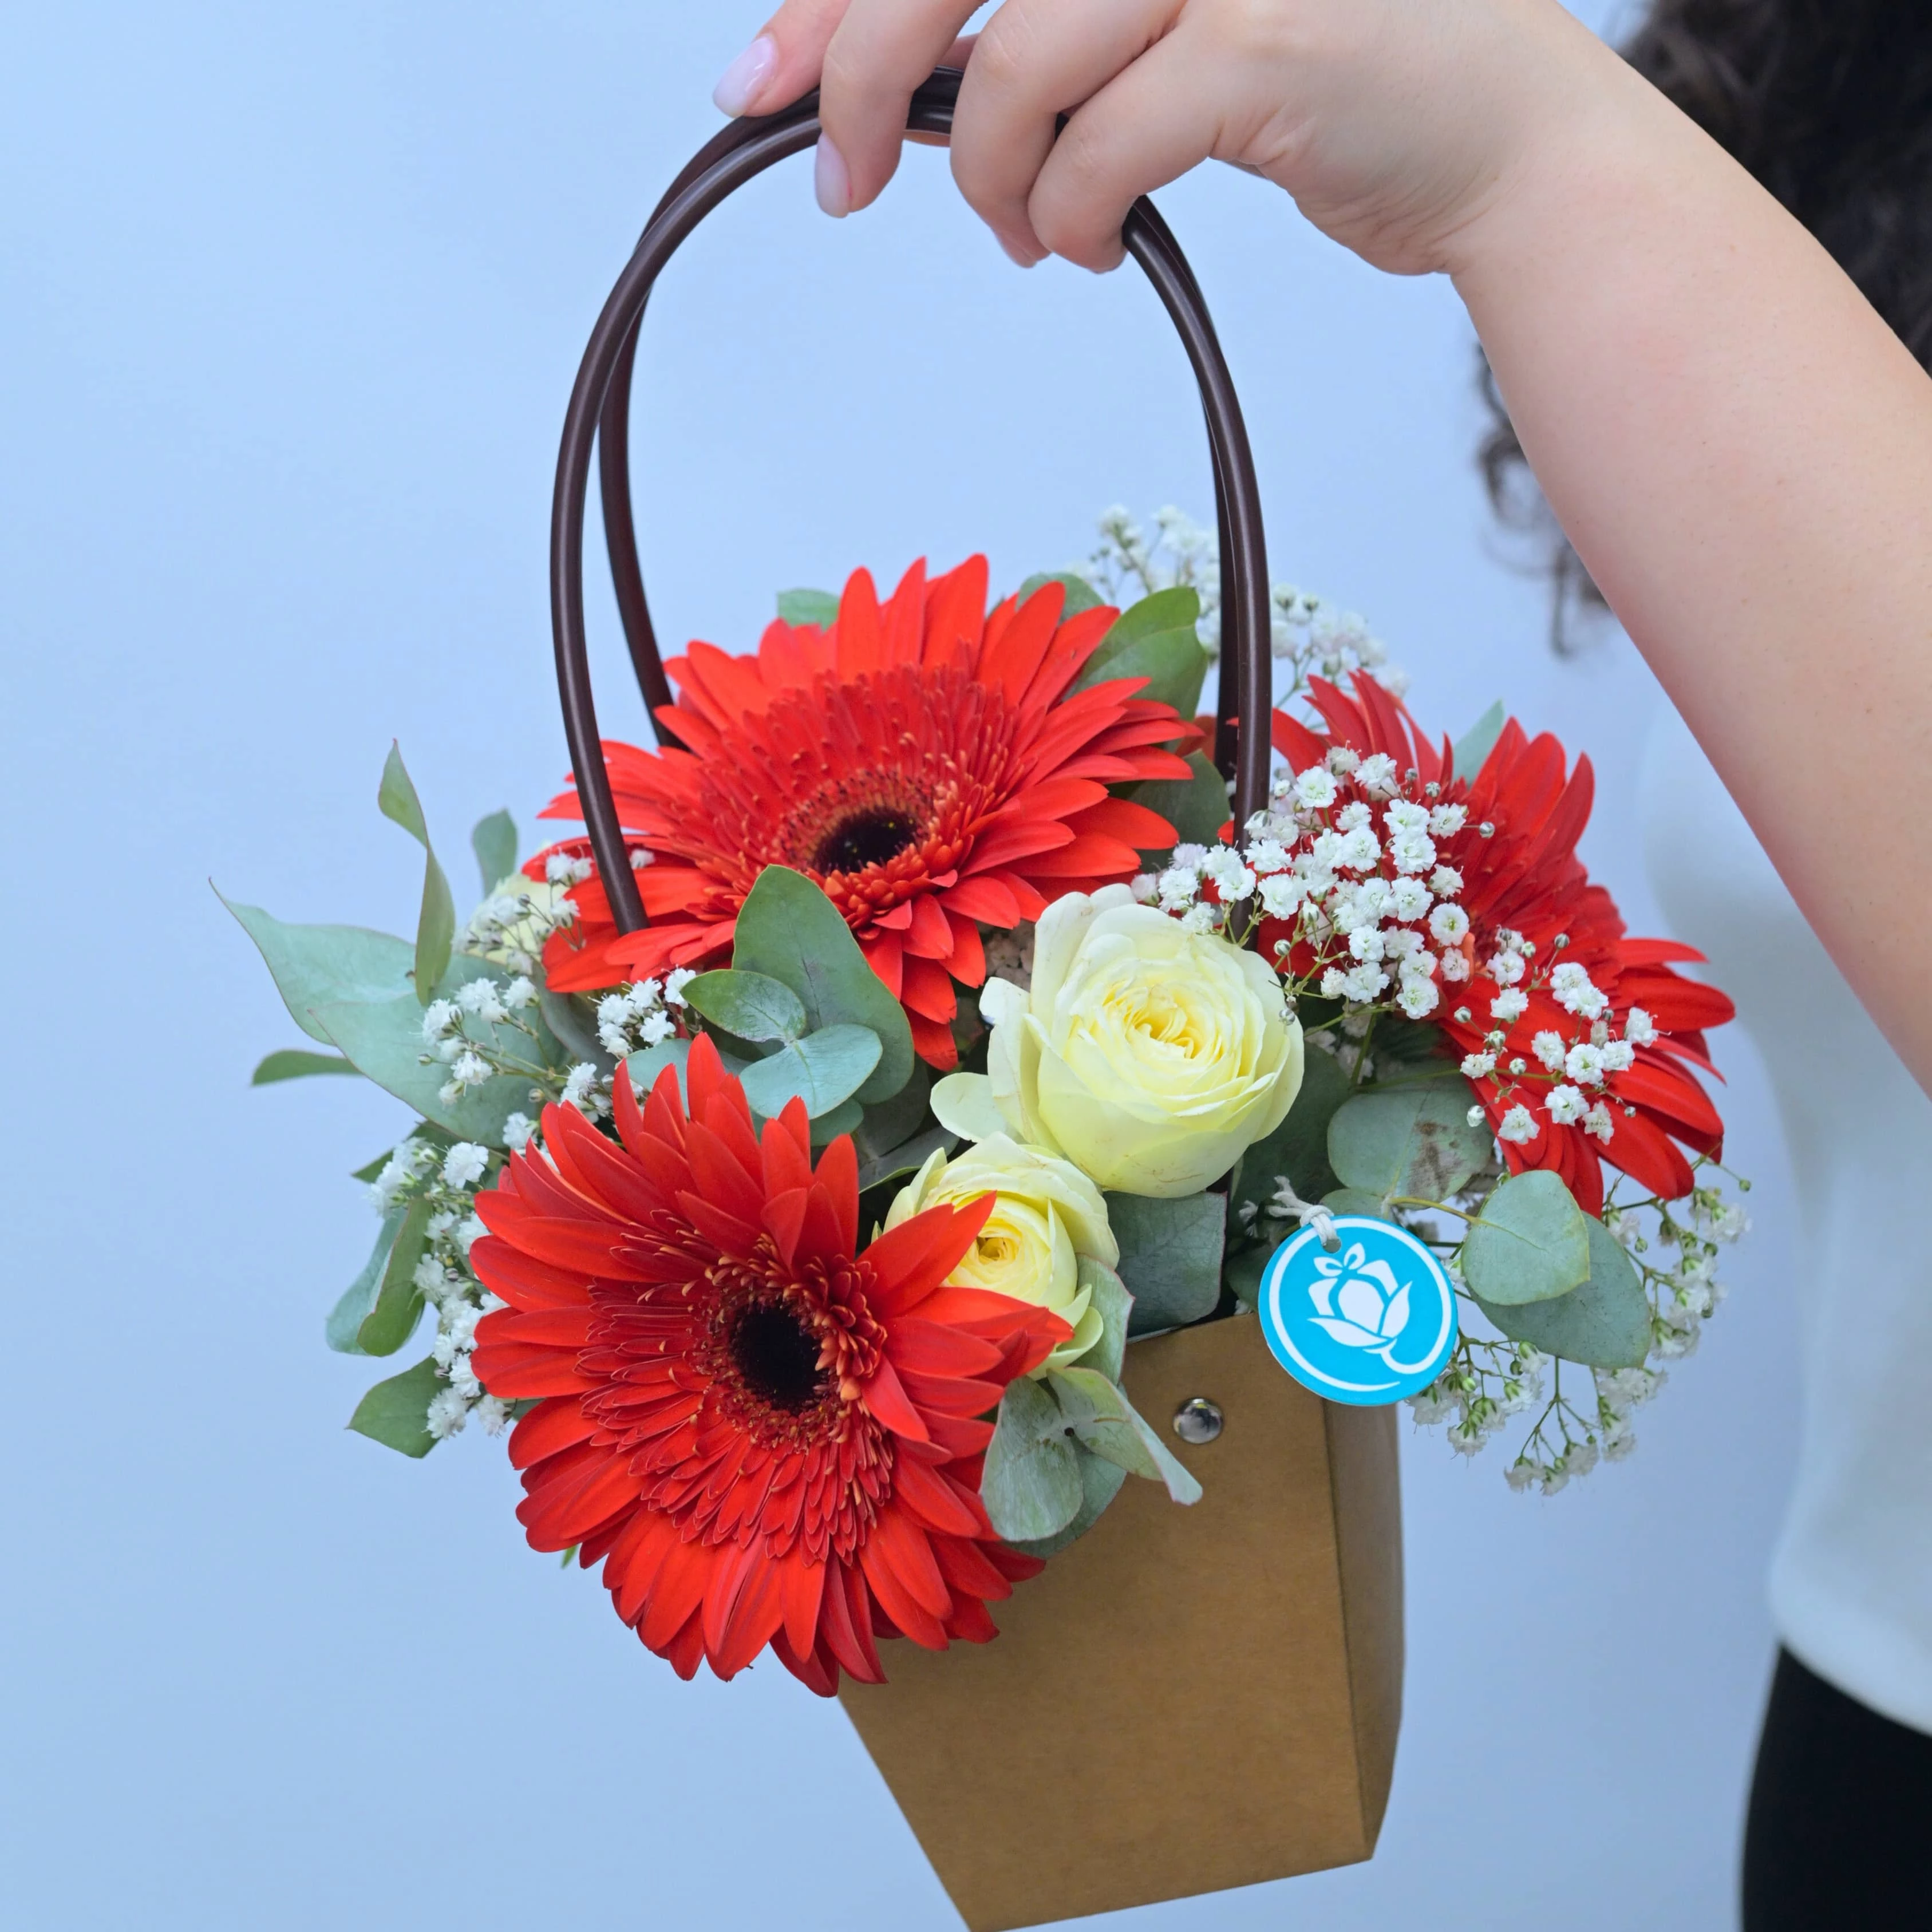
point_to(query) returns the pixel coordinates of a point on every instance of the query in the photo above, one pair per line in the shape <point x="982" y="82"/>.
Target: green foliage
<point x="1353" y="1201"/>
<point x="347" y="1317"/>
<point x="751" y="1005"/>
<point x="1081" y="595"/>
<point x="788" y="930"/>
<point x="842" y="1119"/>
<point x="1100" y="1415"/>
<point x="320" y="965"/>
<point x="1477" y="743"/>
<point x="1170" y="1256"/>
<point x="1100" y="1483"/>
<point x="396" y="1413"/>
<point x="890" y="1124"/>
<point x="1111" y="1297"/>
<point x="1531" y="1244"/>
<point x="1244" y="1274"/>
<point x="1605" y="1323"/>
<point x="494" y="840"/>
<point x="645" y="1067"/>
<point x="1196" y="807"/>
<point x="908" y="1157"/>
<point x="398" y="1302"/>
<point x="824" y="1069"/>
<point x="1298" y="1148"/>
<point x="292" y="1063"/>
<point x="571" y="1019"/>
<point x="808" y="607"/>
<point x="1155" y="639"/>
<point x="1031" y="1483"/>
<point x="436" y="922"/>
<point x="1414" y="1142"/>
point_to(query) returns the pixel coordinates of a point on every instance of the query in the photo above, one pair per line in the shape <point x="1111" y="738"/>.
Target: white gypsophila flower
<point x="1376" y="776"/>
<point x="442" y="1350"/>
<point x="518" y="1128"/>
<point x="480" y="997"/>
<point x="1511" y="1003"/>
<point x="464" y="1163"/>
<point x="579" y="1085"/>
<point x="1445" y="882"/>
<point x="1201" y="918"/>
<point x="1268" y="855"/>
<point x="675" y="982"/>
<point x="1476" y="1065"/>
<point x="1585" y="1065"/>
<point x="1334" y="984"/>
<point x="656" y="1028"/>
<point x="1618" y="1055"/>
<point x="1446" y="820"/>
<point x="432" y="1277"/>
<point x="469" y="1067"/>
<point x="1508" y="968"/>
<point x="1639" y="1028"/>
<point x="494" y="1413"/>
<point x="447" y="1412"/>
<point x="1413" y="852"/>
<point x="561" y="869"/>
<point x="1475" y="1117"/>
<point x="1353" y="817"/>
<point x="1364" y="982"/>
<point x="1358" y="851"/>
<point x="1398" y="943"/>
<point x="1448" y="925"/>
<point x="1178" y="887"/>
<point x="520" y="992"/>
<point x="1315" y="789"/>
<point x="1566" y="1105"/>
<point x="1455" y="966"/>
<point x="1548" y="1047"/>
<point x="466" y="1232"/>
<point x="1190" y="855"/>
<point x="1523" y="1474"/>
<point x="1281" y="895"/>
<point x="436" y="1020"/>
<point x="1418" y="997"/>
<point x="397" y="1171"/>
<point x="463" y="1380"/>
<point x="1466" y="1436"/>
<point x="1367" y="942"/>
<point x="491" y="1303"/>
<point x="1147" y="888"/>
<point x="1573" y="990"/>
<point x="1599" y="1122"/>
<point x="1518" y="1125"/>
<point x="1409" y="898"/>
<point x="1403" y="815"/>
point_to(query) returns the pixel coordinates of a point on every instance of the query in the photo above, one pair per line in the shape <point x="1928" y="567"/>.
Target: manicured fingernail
<point x="1015" y="253"/>
<point x="738" y="86"/>
<point x="831" y="179"/>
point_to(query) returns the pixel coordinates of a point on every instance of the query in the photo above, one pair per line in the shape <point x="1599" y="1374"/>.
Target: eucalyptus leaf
<point x="1031" y="1483"/>
<point x="1196" y="806"/>
<point x="398" y="1304"/>
<point x="789" y="930"/>
<point x="1100" y="1483"/>
<point x="822" y="1070"/>
<point x="396" y="1413"/>
<point x="843" y="1118"/>
<point x="347" y="1317"/>
<point x="320" y="965"/>
<point x="645" y="1066"/>
<point x="753" y="1006"/>
<point x="1170" y="1256"/>
<point x="1081" y="595"/>
<point x="1155" y="639"/>
<point x="1353" y="1201"/>
<point x="570" y="1018"/>
<point x="1297" y="1150"/>
<point x="436" y="920"/>
<point x="1605" y="1323"/>
<point x="292" y="1063"/>
<point x="1531" y="1242"/>
<point x="890" y="1124"/>
<point x="494" y="840"/>
<point x="1476" y="744"/>
<point x="1415" y="1141"/>
<point x="908" y="1157"/>
<point x="1243" y="1275"/>
<point x="1109" y="1295"/>
<point x="1109" y="1425"/>
<point x="808" y="607"/>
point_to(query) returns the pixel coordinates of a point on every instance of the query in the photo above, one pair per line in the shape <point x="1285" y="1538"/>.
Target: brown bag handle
<point x="599" y="413"/>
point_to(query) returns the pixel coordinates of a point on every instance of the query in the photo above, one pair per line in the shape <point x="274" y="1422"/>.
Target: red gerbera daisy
<point x="1590" y="1034"/>
<point x="922" y="761"/>
<point x="766" y="1436"/>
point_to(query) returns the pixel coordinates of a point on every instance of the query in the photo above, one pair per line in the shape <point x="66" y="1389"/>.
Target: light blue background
<point x="292" y="298"/>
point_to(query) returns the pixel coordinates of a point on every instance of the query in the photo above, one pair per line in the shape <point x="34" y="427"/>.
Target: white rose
<point x="1148" y="1055"/>
<point x="1046" y="1216"/>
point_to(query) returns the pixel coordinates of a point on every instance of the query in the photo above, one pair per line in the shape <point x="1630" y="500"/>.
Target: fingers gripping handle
<point x="598" y="417"/>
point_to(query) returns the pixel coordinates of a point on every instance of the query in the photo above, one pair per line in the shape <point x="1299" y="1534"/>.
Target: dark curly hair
<point x="1828" y="103"/>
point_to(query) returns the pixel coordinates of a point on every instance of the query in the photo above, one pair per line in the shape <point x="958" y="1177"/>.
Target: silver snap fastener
<point x="1199" y="1420"/>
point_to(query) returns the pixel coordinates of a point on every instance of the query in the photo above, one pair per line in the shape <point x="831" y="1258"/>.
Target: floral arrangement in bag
<point x="799" y="1238"/>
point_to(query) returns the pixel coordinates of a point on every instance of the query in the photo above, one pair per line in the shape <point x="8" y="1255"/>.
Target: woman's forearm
<point x="1742" y="452"/>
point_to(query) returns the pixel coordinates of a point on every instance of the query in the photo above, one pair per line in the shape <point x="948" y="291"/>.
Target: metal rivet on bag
<point x="1199" y="1420"/>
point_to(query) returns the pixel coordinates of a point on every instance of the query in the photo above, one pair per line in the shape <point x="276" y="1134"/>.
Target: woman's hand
<point x="1393" y="123"/>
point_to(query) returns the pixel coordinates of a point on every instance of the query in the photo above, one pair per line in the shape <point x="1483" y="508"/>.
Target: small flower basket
<point x="1301" y="1070"/>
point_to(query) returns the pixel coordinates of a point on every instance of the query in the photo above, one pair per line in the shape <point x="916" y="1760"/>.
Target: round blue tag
<point x="1367" y="1322"/>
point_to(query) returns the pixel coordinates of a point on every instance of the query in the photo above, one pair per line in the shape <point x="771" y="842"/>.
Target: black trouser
<point x="1839" y="1838"/>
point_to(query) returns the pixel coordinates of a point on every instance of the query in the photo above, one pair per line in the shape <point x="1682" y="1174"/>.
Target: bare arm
<point x="1739" y="448"/>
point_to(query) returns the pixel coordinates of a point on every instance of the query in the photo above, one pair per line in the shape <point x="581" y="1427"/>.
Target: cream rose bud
<point x="1046" y="1215"/>
<point x="1148" y="1055"/>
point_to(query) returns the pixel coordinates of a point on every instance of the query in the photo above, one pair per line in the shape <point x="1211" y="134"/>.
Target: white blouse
<point x="1851" y="1584"/>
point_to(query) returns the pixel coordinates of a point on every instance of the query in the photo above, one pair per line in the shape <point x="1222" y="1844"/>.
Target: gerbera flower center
<point x="868" y="838"/>
<point x="776" y="1356"/>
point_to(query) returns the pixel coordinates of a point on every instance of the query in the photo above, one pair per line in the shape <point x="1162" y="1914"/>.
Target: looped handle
<point x="599" y="415"/>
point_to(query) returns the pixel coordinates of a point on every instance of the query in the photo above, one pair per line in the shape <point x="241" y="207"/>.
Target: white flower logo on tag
<point x="1369" y="1321"/>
